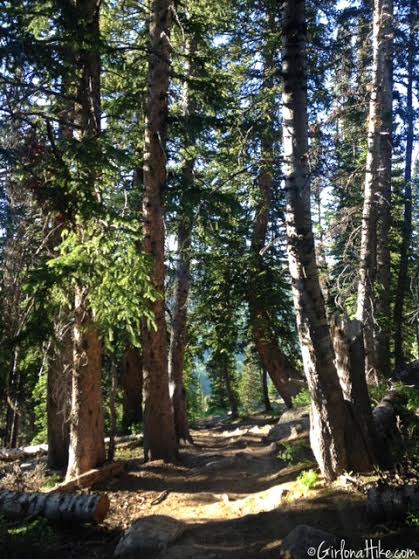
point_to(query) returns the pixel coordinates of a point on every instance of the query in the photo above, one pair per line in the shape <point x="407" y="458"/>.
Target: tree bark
<point x="54" y="506"/>
<point x="402" y="279"/>
<point x="178" y="333"/>
<point x="183" y="269"/>
<point x="377" y="181"/>
<point x="58" y="404"/>
<point x="159" y="431"/>
<point x="132" y="388"/>
<point x="87" y="449"/>
<point x="383" y="288"/>
<point x="331" y="424"/>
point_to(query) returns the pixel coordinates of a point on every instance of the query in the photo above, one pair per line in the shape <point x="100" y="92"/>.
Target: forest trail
<point x="235" y="496"/>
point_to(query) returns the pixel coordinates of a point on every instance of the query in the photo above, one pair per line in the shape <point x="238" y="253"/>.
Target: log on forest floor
<point x="90" y="478"/>
<point x="392" y="503"/>
<point x="54" y="506"/>
<point x="14" y="454"/>
<point x="386" y="412"/>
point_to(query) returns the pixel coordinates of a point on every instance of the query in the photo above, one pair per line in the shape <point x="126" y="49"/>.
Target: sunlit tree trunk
<point x="375" y="257"/>
<point x="332" y="426"/>
<point x="402" y="280"/>
<point x="178" y="331"/>
<point x="159" y="431"/>
<point x="87" y="447"/>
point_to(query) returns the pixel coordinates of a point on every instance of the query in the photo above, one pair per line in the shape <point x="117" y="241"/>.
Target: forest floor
<point x="235" y="496"/>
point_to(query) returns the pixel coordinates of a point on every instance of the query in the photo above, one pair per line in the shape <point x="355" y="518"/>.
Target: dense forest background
<point x="145" y="196"/>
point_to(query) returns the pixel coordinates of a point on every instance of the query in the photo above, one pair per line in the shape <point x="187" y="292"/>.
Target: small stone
<point x="147" y="535"/>
<point x="293" y="424"/>
<point x="304" y="541"/>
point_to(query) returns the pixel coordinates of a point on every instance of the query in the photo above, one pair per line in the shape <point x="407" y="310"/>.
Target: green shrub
<point x="308" y="479"/>
<point x="31" y="539"/>
<point x="302" y="399"/>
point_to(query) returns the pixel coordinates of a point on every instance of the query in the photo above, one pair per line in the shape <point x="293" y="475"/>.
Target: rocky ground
<point x="233" y="494"/>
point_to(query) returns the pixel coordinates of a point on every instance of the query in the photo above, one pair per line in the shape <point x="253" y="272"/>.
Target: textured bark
<point x="402" y="279"/>
<point x="90" y="478"/>
<point x="376" y="188"/>
<point x="54" y="506"/>
<point x="132" y="388"/>
<point x="159" y="432"/>
<point x="87" y="448"/>
<point x="178" y="333"/>
<point x="383" y="288"/>
<point x="331" y="424"/>
<point x="348" y="344"/>
<point x="58" y="404"/>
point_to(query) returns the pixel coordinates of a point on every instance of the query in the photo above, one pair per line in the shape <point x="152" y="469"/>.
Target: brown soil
<point x="227" y="489"/>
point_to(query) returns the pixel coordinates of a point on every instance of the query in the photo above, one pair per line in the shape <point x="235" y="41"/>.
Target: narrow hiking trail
<point x="234" y="495"/>
<point x="231" y="496"/>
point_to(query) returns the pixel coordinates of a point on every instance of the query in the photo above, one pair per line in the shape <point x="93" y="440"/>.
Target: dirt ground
<point x="236" y="497"/>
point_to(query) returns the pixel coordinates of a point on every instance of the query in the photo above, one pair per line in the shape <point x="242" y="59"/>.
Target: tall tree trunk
<point x="178" y="333"/>
<point x="87" y="448"/>
<point x="377" y="173"/>
<point x="58" y="403"/>
<point x="273" y="360"/>
<point x="132" y="388"/>
<point x="183" y="276"/>
<point x="159" y="431"/>
<point x="331" y="424"/>
<point x="402" y="279"/>
<point x="383" y="288"/>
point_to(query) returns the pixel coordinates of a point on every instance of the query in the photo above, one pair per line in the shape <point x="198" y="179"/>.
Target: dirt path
<point x="236" y="497"/>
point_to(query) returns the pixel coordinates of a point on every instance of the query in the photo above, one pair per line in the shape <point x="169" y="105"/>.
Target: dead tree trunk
<point x="402" y="280"/>
<point x="132" y="388"/>
<point x="54" y="506"/>
<point x="377" y="173"/>
<point x="331" y="424"/>
<point x="159" y="431"/>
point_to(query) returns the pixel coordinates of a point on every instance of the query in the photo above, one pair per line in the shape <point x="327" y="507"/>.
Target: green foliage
<point x="39" y="396"/>
<point x="250" y="387"/>
<point x="308" y="479"/>
<point x="302" y="399"/>
<point x="293" y="452"/>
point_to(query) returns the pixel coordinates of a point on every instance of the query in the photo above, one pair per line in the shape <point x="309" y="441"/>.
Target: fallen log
<point x="53" y="506"/>
<point x="90" y="478"/>
<point x="386" y="412"/>
<point x="392" y="503"/>
<point x="13" y="454"/>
